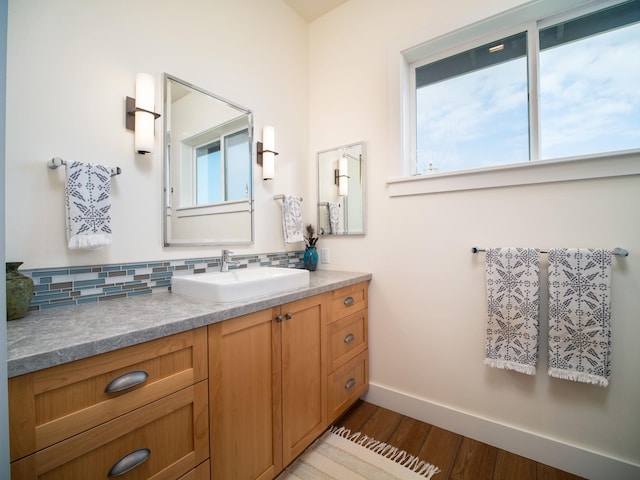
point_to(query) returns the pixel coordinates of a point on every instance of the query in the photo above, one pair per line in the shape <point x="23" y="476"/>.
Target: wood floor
<point x="458" y="457"/>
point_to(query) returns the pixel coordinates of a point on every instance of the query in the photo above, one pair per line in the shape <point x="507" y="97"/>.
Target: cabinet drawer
<point x="347" y="384"/>
<point x="201" y="472"/>
<point x="347" y="300"/>
<point x="347" y="338"/>
<point x="48" y="406"/>
<point x="172" y="429"/>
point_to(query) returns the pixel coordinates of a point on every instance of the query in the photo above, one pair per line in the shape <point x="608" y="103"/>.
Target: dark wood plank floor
<point x="458" y="457"/>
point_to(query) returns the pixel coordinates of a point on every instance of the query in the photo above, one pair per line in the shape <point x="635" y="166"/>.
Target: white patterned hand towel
<point x="334" y="217"/>
<point x="579" y="315"/>
<point x="513" y="289"/>
<point x="292" y="219"/>
<point x="88" y="205"/>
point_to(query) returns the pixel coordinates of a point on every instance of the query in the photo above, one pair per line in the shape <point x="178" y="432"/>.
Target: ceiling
<point x="313" y="9"/>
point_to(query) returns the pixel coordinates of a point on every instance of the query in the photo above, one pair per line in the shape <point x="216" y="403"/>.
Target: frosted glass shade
<point x="343" y="176"/>
<point x="268" y="155"/>
<point x="144" y="121"/>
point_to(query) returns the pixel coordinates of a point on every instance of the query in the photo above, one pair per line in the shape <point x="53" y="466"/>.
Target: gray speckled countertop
<point x="55" y="336"/>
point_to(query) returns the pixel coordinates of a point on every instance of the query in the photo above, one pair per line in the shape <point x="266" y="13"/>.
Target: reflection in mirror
<point x="341" y="190"/>
<point x="208" y="173"/>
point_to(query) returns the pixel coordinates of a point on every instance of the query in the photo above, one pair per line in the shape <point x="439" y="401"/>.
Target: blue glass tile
<point x="111" y="268"/>
<point x="45" y="297"/>
<point x="139" y="292"/>
<point x="87" y="299"/>
<point x="88" y="283"/>
<point x="48" y="273"/>
<point x="136" y="266"/>
<point x="58" y="304"/>
<point x="74" y="271"/>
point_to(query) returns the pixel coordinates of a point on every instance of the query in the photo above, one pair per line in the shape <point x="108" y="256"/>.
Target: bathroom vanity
<point x="167" y="386"/>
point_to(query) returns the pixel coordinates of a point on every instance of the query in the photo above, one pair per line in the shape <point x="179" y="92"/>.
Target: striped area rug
<point x="342" y="455"/>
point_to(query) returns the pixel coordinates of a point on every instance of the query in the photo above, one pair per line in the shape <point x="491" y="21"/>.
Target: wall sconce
<point x="265" y="153"/>
<point x="140" y="116"/>
<point x="342" y="176"/>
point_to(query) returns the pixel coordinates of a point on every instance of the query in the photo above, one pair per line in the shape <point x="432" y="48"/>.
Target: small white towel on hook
<point x="292" y="219"/>
<point x="334" y="217"/>
<point x="579" y="315"/>
<point x="88" y="205"/>
<point x="513" y="299"/>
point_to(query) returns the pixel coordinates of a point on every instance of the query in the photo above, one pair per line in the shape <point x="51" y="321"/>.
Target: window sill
<point x="547" y="171"/>
<point x="214" y="209"/>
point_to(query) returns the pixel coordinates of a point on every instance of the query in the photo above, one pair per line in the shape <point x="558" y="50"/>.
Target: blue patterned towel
<point x="513" y="298"/>
<point x="88" y="204"/>
<point x="579" y="315"/>
<point x="292" y="219"/>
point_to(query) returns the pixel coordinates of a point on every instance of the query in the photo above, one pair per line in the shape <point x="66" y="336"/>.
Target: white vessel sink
<point x="240" y="284"/>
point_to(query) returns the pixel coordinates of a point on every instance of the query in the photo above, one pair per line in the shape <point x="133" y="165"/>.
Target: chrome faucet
<point x="224" y="264"/>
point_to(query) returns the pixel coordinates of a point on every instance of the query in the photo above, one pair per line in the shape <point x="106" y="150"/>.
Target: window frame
<point x="528" y="18"/>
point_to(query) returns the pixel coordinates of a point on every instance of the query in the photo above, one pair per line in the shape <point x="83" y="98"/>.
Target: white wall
<point x="71" y="64"/>
<point x="427" y="297"/>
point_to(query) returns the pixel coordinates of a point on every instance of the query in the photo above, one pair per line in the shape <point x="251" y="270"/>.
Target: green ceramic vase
<point x="19" y="292"/>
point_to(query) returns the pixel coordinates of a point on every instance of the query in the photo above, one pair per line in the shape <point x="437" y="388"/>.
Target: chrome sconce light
<point x="265" y="152"/>
<point x="341" y="176"/>
<point x="140" y="116"/>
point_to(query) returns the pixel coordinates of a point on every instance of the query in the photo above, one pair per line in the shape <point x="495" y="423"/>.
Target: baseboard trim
<point x="570" y="458"/>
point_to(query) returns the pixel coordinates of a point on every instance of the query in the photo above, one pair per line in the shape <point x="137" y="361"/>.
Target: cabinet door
<point x="304" y="374"/>
<point x="244" y="369"/>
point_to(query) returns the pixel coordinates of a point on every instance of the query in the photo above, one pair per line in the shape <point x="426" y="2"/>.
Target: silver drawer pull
<point x="350" y="384"/>
<point x="129" y="462"/>
<point x="127" y="380"/>
<point x="349" y="338"/>
<point x="349" y="301"/>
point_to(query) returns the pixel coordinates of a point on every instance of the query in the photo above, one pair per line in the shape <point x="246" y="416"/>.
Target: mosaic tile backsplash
<point x="55" y="287"/>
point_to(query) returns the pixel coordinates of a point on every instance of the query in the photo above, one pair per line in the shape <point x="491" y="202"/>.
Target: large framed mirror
<point x="341" y="195"/>
<point x="208" y="172"/>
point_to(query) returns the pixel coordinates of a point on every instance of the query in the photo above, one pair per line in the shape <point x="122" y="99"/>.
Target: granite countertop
<point x="55" y="336"/>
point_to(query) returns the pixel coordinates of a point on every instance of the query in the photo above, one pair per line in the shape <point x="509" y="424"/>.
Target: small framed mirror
<point x="208" y="172"/>
<point x="341" y="195"/>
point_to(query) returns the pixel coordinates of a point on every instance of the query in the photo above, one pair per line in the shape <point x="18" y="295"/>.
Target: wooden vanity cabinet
<point x="348" y="376"/>
<point x="65" y="422"/>
<point x="268" y="388"/>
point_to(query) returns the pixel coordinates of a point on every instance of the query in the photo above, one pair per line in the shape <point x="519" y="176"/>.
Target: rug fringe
<point x="400" y="457"/>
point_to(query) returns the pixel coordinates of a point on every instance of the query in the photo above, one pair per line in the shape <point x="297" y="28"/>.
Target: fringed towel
<point x="579" y="315"/>
<point x="88" y="205"/>
<point x="513" y="289"/>
<point x="292" y="219"/>
<point x="334" y="217"/>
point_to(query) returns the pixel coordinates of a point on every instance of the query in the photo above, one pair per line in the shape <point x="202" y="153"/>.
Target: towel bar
<point x="280" y="196"/>
<point x="616" y="251"/>
<point x="58" y="162"/>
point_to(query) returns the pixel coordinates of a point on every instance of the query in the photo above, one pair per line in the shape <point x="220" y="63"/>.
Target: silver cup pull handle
<point x="129" y="462"/>
<point x="350" y="384"/>
<point x="127" y="380"/>
<point x="349" y="301"/>
<point x="349" y="338"/>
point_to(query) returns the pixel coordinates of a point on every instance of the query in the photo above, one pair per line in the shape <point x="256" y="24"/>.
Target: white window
<point x="221" y="169"/>
<point x="550" y="86"/>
